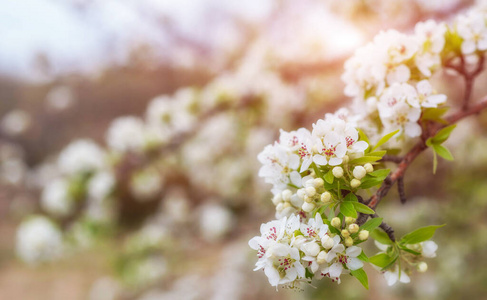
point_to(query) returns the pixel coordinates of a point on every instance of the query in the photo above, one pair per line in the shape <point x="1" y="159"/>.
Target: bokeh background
<point x="134" y="127"/>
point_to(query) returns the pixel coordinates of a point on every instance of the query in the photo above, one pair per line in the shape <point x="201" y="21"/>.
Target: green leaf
<point x="351" y="197"/>
<point x="380" y="173"/>
<point x="435" y="162"/>
<point x="381" y="260"/>
<point x="380" y="153"/>
<point x="434" y="114"/>
<point x="309" y="274"/>
<point x="347" y="209"/>
<point x="443" y="151"/>
<point x="369" y="182"/>
<point x="363" y="137"/>
<point x="384" y="139"/>
<point x="363" y="257"/>
<point x="329" y="177"/>
<point x="409" y="250"/>
<point x="443" y="134"/>
<point x="420" y="235"/>
<point x="381" y="237"/>
<point x="371" y="224"/>
<point x="363" y="208"/>
<point x="361" y="276"/>
<point x="365" y="159"/>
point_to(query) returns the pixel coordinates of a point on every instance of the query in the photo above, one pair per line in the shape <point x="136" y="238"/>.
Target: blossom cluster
<point x="291" y="250"/>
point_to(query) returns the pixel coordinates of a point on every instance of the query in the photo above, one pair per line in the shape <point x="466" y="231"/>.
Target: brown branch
<point x="400" y="190"/>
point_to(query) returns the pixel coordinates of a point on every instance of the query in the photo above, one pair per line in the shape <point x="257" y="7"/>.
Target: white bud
<point x="287" y="204"/>
<point x="308" y="207"/>
<point x="310" y="191"/>
<point x="422" y="267"/>
<point x="359" y="172"/>
<point x="286" y="195"/>
<point x="280" y="207"/>
<point x="318" y="183"/>
<point x="336" y="222"/>
<point x="349" y="220"/>
<point x="308" y="199"/>
<point x="337" y="172"/>
<point x="369" y="168"/>
<point x="345" y="233"/>
<point x="353" y="228"/>
<point x="363" y="235"/>
<point x="301" y="193"/>
<point x="299" y="241"/>
<point x="310" y="249"/>
<point x="296" y="201"/>
<point x="345" y="159"/>
<point x="355" y="183"/>
<point x="277" y="199"/>
<point x="321" y="258"/>
<point x="326" y="197"/>
<point x="327" y="242"/>
<point x="348" y="242"/>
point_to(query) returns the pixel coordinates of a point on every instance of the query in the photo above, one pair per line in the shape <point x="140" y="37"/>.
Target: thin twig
<point x="400" y="189"/>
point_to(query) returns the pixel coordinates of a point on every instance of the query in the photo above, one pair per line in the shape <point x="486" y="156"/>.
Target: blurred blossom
<point x="105" y="288"/>
<point x="15" y="122"/>
<point x="56" y="198"/>
<point x="215" y="221"/>
<point x="38" y="240"/>
<point x="146" y="184"/>
<point x="176" y="207"/>
<point x="81" y="156"/>
<point x="13" y="171"/>
<point x="60" y="98"/>
<point x="126" y="134"/>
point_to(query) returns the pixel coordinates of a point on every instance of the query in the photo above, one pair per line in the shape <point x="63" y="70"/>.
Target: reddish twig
<point x="400" y="190"/>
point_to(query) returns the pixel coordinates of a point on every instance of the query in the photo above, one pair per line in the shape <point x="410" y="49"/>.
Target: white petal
<point x="335" y="270"/>
<point x="413" y="129"/>
<point x="404" y="278"/>
<point x="390" y="277"/>
<point x="272" y="274"/>
<point x="295" y="178"/>
<point x="424" y="87"/>
<point x="360" y="146"/>
<point x="468" y="46"/>
<point x="320" y="160"/>
<point x="353" y="251"/>
<point x="335" y="161"/>
<point x="355" y="264"/>
<point x="294" y="161"/>
<point x="306" y="163"/>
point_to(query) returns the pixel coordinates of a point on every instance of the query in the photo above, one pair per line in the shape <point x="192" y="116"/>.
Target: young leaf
<point x="363" y="208"/>
<point x="434" y="114"/>
<point x="329" y="177"/>
<point x="384" y="139"/>
<point x="363" y="257"/>
<point x="381" y="237"/>
<point x="420" y="235"/>
<point x="380" y="153"/>
<point x="347" y="209"/>
<point x="380" y="173"/>
<point x="409" y="250"/>
<point x="381" y="260"/>
<point x="365" y="159"/>
<point x="371" y="224"/>
<point x="351" y="197"/>
<point x="442" y="151"/>
<point x="443" y="134"/>
<point x="361" y="276"/>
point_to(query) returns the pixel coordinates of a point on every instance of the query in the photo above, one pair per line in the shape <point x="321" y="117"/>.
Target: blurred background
<point x="129" y="132"/>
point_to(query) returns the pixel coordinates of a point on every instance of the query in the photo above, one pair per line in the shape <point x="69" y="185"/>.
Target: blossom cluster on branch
<point x="322" y="178"/>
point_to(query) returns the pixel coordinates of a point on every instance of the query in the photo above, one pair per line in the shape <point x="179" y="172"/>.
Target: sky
<point x="84" y="35"/>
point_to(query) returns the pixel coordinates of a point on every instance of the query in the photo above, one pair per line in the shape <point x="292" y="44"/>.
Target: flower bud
<point x="321" y="258"/>
<point x="286" y="195"/>
<point x="277" y="199"/>
<point x="353" y="228"/>
<point x="363" y="235"/>
<point x="327" y="242"/>
<point x="299" y="241"/>
<point x="280" y="207"/>
<point x="359" y="172"/>
<point x="349" y="220"/>
<point x="337" y="172"/>
<point x="310" y="191"/>
<point x="296" y="201"/>
<point x="355" y="183"/>
<point x="287" y="204"/>
<point x="310" y="248"/>
<point x="345" y="159"/>
<point x="345" y="233"/>
<point x="308" y="199"/>
<point x="318" y="183"/>
<point x="348" y="242"/>
<point x="336" y="222"/>
<point x="325" y="197"/>
<point x="308" y="207"/>
<point x="422" y="267"/>
<point x="368" y="167"/>
<point x="301" y="193"/>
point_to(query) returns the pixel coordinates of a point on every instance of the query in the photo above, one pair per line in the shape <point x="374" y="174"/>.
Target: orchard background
<point x="172" y="101"/>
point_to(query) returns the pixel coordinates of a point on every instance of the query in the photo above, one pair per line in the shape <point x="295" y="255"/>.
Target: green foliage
<point x="381" y="260"/>
<point x="374" y="178"/>
<point x="384" y="139"/>
<point x="420" y="235"/>
<point x="381" y="237"/>
<point x="347" y="209"/>
<point x="361" y="276"/>
<point x="363" y="208"/>
<point x="435" y="144"/>
<point x="435" y="114"/>
<point x="371" y="224"/>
